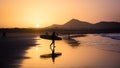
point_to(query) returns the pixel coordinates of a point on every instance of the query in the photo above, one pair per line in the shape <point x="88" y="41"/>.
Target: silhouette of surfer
<point x="53" y="39"/>
<point x="54" y="34"/>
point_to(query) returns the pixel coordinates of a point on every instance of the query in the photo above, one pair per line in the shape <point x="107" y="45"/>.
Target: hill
<point x="73" y="24"/>
<point x="107" y="25"/>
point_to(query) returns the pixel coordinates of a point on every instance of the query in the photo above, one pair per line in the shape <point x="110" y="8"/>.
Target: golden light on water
<point x="89" y="54"/>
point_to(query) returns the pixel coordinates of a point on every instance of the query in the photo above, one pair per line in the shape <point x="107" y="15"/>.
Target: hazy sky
<point x="28" y="13"/>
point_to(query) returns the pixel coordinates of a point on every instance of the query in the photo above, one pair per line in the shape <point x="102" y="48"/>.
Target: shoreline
<point x="13" y="48"/>
<point x="89" y="51"/>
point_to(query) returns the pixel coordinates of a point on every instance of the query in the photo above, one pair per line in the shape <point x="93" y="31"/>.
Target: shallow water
<point x="94" y="51"/>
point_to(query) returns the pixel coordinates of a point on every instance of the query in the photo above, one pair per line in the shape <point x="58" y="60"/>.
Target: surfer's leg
<point x="51" y="45"/>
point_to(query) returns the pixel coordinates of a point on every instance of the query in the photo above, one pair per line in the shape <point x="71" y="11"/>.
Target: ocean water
<point x="110" y="42"/>
<point x="94" y="51"/>
<point x="112" y="35"/>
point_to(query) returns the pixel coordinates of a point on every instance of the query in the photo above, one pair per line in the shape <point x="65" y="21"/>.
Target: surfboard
<point x="49" y="37"/>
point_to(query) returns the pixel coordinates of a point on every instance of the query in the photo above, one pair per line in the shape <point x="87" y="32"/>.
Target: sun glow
<point x="37" y="25"/>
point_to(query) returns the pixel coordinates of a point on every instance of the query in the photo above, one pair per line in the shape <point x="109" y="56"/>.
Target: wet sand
<point x="90" y="53"/>
<point x="24" y="51"/>
<point x="12" y="48"/>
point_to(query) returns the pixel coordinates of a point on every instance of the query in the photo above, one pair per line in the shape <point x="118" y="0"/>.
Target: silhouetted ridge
<point x="54" y="26"/>
<point x="107" y="25"/>
<point x="75" y="22"/>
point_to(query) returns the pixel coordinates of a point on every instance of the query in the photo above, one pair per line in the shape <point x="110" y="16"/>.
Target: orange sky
<point x="28" y="13"/>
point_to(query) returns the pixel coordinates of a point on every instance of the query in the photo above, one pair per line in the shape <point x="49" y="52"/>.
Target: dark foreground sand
<point x="12" y="48"/>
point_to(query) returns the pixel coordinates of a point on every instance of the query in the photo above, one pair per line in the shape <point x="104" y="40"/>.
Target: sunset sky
<point x="29" y="13"/>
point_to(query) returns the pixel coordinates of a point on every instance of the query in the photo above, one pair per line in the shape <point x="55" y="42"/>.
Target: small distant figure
<point x="46" y="33"/>
<point x="4" y="34"/>
<point x="69" y="36"/>
<point x="53" y="39"/>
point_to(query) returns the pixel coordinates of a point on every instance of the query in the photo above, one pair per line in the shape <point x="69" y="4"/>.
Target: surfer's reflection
<point x="53" y="55"/>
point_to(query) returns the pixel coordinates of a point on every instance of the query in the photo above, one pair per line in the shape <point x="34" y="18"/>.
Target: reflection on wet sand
<point x="88" y="54"/>
<point x="53" y="55"/>
<point x="70" y="39"/>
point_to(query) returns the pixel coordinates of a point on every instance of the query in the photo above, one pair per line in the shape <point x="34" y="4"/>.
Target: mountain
<point x="75" y="24"/>
<point x="107" y="25"/>
<point x="54" y="26"/>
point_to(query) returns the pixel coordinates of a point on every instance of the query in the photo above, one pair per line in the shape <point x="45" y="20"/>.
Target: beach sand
<point x="12" y="48"/>
<point x="93" y="51"/>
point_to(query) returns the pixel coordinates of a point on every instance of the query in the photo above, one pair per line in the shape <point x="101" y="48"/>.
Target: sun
<point x="37" y="25"/>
